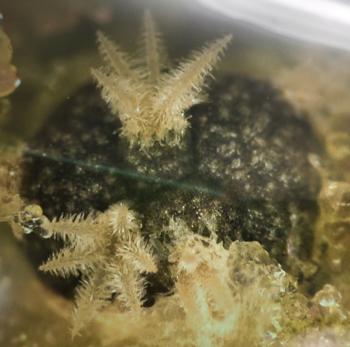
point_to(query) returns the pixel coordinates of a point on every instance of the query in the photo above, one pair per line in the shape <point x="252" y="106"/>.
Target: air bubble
<point x="27" y="230"/>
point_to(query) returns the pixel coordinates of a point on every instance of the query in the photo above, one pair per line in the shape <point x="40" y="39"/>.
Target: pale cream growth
<point x="10" y="205"/>
<point x="135" y="251"/>
<point x="111" y="258"/>
<point x="203" y="288"/>
<point x="338" y="145"/>
<point x="122" y="220"/>
<point x="8" y="73"/>
<point x="150" y="102"/>
<point x="86" y="240"/>
<point x="79" y="229"/>
<point x="322" y="338"/>
<point x="154" y="53"/>
<point x="262" y="287"/>
<point x="129" y="284"/>
<point x="8" y="78"/>
<point x="332" y="234"/>
<point x="222" y="297"/>
<point x="333" y="227"/>
<point x="71" y="262"/>
<point x="10" y="176"/>
<point x="332" y="328"/>
<point x="328" y="301"/>
<point x="92" y="296"/>
<point x="319" y="84"/>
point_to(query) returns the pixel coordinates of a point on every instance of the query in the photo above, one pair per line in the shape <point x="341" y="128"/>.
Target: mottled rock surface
<point x="242" y="172"/>
<point x="70" y="165"/>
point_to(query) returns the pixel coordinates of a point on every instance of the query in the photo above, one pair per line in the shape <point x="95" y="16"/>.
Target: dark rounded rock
<point x="243" y="167"/>
<point x="253" y="143"/>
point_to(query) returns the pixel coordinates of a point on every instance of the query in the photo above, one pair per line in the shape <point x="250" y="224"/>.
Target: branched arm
<point x="182" y="88"/>
<point x="69" y="262"/>
<point x="119" y="94"/>
<point x="150" y="103"/>
<point x="69" y="227"/>
<point x="121" y="220"/>
<point x="83" y="233"/>
<point x="10" y="205"/>
<point x="153" y="49"/>
<point x="137" y="253"/>
<point x="129" y="284"/>
<point x="92" y="296"/>
<point x="114" y="57"/>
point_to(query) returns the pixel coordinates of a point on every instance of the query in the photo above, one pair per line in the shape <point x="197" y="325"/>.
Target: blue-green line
<point x="126" y="173"/>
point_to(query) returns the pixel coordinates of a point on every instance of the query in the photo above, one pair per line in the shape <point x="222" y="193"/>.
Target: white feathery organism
<point x="149" y="101"/>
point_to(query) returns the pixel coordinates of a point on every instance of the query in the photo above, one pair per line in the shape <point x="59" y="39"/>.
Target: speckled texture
<point x="253" y="143"/>
<point x="163" y="163"/>
<point x="243" y="162"/>
<point x="253" y="146"/>
<point x="71" y="164"/>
